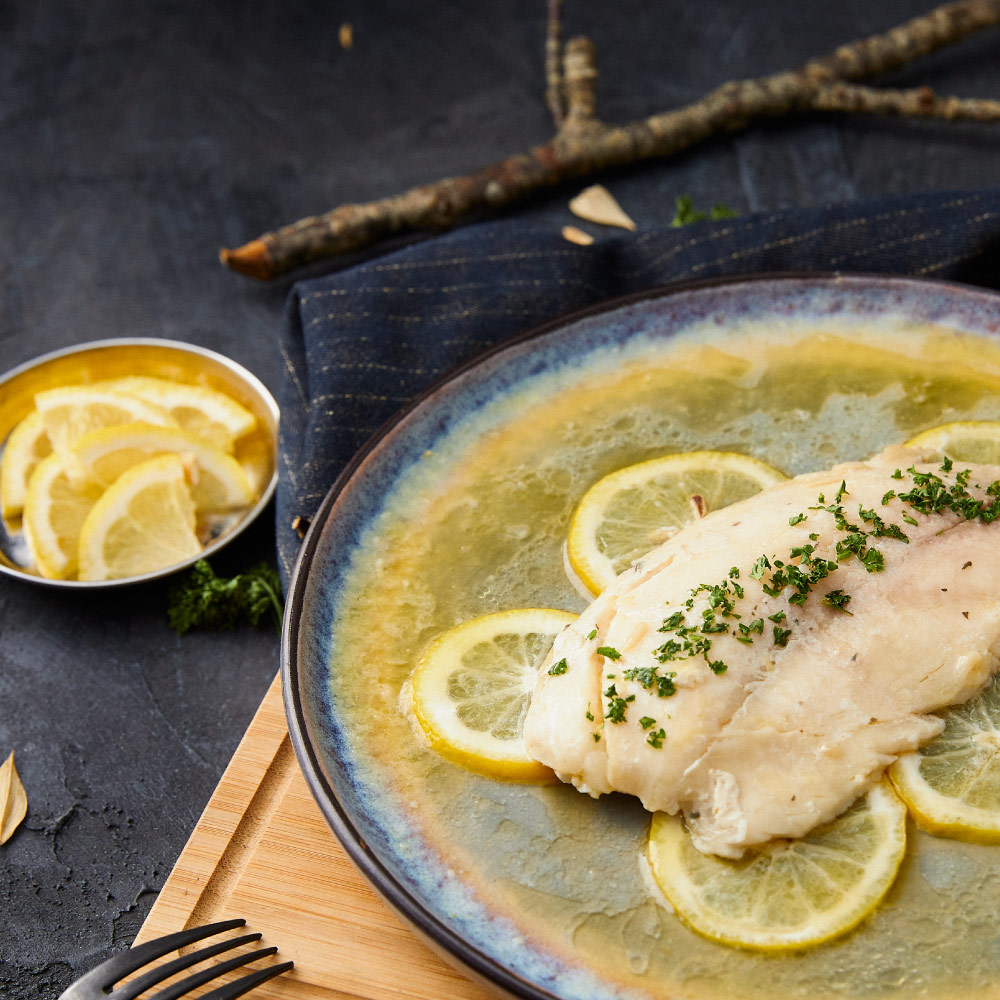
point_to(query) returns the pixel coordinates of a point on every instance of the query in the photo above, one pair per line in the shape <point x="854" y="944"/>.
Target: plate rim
<point x="438" y="935"/>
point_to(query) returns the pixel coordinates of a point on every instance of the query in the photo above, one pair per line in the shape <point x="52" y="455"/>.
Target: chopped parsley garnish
<point x="559" y="668"/>
<point x="797" y="519"/>
<point x="589" y="716"/>
<point x="781" y="635"/>
<point x="610" y="652"/>
<point x="873" y="561"/>
<point x="778" y="616"/>
<point x="592" y="634"/>
<point x="646" y="722"/>
<point x="718" y="667"/>
<point x="615" y="712"/>
<point x="837" y="599"/>
<point x="655" y="740"/>
<point x="651" y="679"/>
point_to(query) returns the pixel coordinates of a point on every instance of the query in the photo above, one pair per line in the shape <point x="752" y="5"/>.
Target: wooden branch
<point x="583" y="145"/>
<point x="554" y="96"/>
<point x="579" y="86"/>
<point x="919" y="103"/>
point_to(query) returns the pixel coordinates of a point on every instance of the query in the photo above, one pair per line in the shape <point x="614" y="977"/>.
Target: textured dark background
<point x="137" y="138"/>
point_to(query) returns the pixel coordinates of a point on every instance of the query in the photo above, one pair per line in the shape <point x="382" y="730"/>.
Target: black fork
<point x="97" y="984"/>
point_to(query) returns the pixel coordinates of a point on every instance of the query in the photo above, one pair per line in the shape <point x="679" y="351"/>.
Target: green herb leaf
<point x="838" y="599"/>
<point x="204" y="600"/>
<point x="655" y="740"/>
<point x="559" y="668"/>
<point x="686" y="213"/>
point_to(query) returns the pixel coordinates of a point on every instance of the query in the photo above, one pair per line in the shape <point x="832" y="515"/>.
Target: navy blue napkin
<point x="361" y="343"/>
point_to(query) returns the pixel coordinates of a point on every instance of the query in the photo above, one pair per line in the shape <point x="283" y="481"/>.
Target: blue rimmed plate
<point x="459" y="508"/>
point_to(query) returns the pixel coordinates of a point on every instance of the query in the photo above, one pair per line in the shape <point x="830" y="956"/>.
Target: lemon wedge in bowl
<point x="963" y="440"/>
<point x="631" y="511"/>
<point x="203" y="412"/>
<point x="142" y="523"/>
<point x="60" y="495"/>
<point x="25" y="447"/>
<point x="786" y="894"/>
<point x="218" y="482"/>
<point x="472" y="687"/>
<point x="952" y="784"/>
<point x="71" y="411"/>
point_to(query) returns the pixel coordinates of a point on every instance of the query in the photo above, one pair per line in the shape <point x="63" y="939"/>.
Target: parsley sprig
<point x="204" y="600"/>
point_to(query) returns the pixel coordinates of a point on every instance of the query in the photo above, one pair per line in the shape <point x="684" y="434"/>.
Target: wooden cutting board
<point x="263" y="851"/>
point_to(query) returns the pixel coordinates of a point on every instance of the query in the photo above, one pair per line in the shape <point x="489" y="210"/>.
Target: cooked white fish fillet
<point x="792" y="725"/>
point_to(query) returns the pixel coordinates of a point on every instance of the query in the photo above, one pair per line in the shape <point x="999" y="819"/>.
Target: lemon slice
<point x="59" y="497"/>
<point x="26" y="445"/>
<point x="786" y="894"/>
<point x="203" y="412"/>
<point x="472" y="687"/>
<point x="629" y="512"/>
<point x="964" y="440"/>
<point x="71" y="411"/>
<point x="218" y="482"/>
<point x="952" y="784"/>
<point x="143" y="522"/>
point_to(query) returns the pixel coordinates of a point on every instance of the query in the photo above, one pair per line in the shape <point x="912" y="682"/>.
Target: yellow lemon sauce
<point x="478" y="525"/>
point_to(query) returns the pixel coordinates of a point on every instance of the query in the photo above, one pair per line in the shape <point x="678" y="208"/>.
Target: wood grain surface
<point x="263" y="851"/>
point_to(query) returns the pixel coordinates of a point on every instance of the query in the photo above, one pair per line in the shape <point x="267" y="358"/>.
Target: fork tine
<point x="240" y="986"/>
<point x="110" y="972"/>
<point x="130" y="990"/>
<point x="192" y="982"/>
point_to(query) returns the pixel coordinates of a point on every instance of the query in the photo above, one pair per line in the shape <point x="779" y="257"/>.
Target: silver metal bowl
<point x="170" y="359"/>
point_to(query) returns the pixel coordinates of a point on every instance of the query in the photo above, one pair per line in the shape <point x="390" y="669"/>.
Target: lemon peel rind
<point x="937" y="814"/>
<point x="890" y="812"/>
<point x="596" y="570"/>
<point x="430" y="675"/>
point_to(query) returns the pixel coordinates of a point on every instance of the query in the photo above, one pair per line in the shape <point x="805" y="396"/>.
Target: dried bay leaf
<point x="577" y="236"/>
<point x="13" y="799"/>
<point x="597" y="204"/>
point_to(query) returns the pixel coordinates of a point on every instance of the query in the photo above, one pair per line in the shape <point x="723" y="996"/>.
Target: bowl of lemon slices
<point x="126" y="460"/>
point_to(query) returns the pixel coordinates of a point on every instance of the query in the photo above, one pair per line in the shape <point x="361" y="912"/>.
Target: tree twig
<point x="583" y="144"/>
<point x="921" y="102"/>
<point x="554" y="63"/>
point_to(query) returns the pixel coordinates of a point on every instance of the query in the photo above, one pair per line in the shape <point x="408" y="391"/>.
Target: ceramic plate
<point x="460" y="508"/>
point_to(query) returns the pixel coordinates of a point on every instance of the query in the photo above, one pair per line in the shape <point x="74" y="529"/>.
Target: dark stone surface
<point x="137" y="138"/>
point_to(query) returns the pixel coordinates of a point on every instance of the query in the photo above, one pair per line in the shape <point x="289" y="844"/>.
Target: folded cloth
<point x="361" y="343"/>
